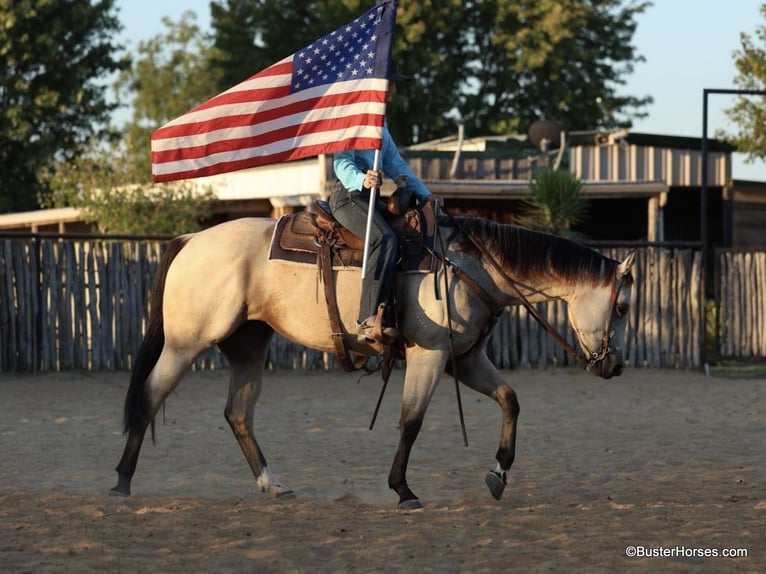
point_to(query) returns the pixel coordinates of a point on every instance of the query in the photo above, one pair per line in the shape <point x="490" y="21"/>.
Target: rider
<point x="350" y="201"/>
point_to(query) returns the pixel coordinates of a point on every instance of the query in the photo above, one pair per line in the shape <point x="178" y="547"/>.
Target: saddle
<point x="299" y="237"/>
<point x="315" y="237"/>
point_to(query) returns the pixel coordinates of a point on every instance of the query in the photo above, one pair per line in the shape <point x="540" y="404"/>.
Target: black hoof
<point x="122" y="488"/>
<point x="496" y="484"/>
<point x="411" y="504"/>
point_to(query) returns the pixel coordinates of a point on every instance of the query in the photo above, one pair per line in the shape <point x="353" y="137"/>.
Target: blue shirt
<point x="351" y="166"/>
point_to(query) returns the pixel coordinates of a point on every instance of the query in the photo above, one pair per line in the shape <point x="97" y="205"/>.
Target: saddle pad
<point x="297" y="239"/>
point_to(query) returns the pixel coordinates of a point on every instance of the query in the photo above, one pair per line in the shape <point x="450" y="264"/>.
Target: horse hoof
<point x="118" y="492"/>
<point x="285" y="495"/>
<point x="411" y="504"/>
<point x="496" y="484"/>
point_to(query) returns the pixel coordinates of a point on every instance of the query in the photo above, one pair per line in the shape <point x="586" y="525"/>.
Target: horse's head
<point x="599" y="317"/>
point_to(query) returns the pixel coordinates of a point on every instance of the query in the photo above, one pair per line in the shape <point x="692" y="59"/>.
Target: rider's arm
<point x="394" y="165"/>
<point x="347" y="171"/>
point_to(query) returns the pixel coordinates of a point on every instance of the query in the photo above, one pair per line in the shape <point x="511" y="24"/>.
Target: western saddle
<point x="315" y="237"/>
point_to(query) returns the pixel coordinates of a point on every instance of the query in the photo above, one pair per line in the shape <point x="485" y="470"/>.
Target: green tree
<point x="111" y="185"/>
<point x="749" y="113"/>
<point x="101" y="184"/>
<point x="495" y="66"/>
<point x="535" y="59"/>
<point x="54" y="56"/>
<point x="429" y="44"/>
<point x="555" y="203"/>
<point x="170" y="74"/>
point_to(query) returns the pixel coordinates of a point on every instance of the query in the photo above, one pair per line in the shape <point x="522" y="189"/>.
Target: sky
<point x="688" y="46"/>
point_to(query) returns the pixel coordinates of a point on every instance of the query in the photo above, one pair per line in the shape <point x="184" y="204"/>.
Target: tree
<point x="548" y="59"/>
<point x="495" y="66"/>
<point x="101" y="184"/>
<point x="429" y="45"/>
<point x="170" y="74"/>
<point x="53" y="58"/>
<point x="750" y="113"/>
<point x="112" y="186"/>
<point x="555" y="203"/>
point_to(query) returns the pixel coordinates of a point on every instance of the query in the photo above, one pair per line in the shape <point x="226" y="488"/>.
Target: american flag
<point x="328" y="97"/>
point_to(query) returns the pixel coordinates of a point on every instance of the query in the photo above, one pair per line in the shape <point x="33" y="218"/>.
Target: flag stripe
<point x="223" y="165"/>
<point x="311" y="140"/>
<point x="254" y="136"/>
<point x="255" y="113"/>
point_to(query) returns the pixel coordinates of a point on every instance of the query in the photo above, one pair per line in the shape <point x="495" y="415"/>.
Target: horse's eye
<point x="621" y="309"/>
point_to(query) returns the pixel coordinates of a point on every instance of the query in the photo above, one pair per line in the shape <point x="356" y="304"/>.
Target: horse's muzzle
<point x="610" y="366"/>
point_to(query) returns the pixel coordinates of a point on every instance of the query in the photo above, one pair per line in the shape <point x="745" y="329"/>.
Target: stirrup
<point x="368" y="334"/>
<point x="372" y="329"/>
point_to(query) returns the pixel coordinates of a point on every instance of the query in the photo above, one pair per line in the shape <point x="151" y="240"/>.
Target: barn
<point x="641" y="187"/>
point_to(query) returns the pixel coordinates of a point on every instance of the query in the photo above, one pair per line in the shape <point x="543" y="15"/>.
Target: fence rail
<point x="82" y="303"/>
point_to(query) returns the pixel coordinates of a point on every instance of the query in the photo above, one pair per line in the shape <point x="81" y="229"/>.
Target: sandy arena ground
<point x="664" y="461"/>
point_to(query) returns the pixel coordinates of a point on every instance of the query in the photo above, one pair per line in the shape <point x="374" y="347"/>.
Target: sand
<point x="667" y="462"/>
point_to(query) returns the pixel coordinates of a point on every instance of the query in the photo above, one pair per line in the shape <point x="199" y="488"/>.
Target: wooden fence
<point x="663" y="332"/>
<point x="741" y="296"/>
<point x="82" y="303"/>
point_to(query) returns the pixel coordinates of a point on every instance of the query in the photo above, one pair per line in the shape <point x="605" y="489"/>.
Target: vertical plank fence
<point x="663" y="330"/>
<point x="741" y="304"/>
<point x="82" y="303"/>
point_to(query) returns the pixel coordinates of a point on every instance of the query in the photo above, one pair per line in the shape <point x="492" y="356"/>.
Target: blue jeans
<point x="350" y="208"/>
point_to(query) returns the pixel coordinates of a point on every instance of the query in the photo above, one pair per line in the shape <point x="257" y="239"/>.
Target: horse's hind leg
<point x="246" y="352"/>
<point x="478" y="372"/>
<point x="144" y="400"/>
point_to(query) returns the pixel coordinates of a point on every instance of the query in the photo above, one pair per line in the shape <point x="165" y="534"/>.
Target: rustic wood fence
<point x="741" y="296"/>
<point x="82" y="303"/>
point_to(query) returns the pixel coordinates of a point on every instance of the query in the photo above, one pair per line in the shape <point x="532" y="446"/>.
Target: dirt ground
<point x="670" y="463"/>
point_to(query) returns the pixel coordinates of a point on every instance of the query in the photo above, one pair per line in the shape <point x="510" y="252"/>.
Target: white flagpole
<point x="370" y="215"/>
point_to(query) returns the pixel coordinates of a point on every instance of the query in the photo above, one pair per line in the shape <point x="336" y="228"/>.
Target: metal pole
<point x="704" y="202"/>
<point x="703" y="233"/>
<point x="370" y="215"/>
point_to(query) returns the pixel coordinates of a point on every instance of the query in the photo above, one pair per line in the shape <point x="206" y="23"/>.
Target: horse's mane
<point x="528" y="254"/>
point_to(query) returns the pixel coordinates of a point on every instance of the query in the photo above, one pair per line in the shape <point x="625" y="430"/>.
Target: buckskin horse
<point x="221" y="286"/>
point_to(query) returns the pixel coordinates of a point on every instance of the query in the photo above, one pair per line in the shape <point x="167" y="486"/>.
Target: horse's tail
<point x="137" y="403"/>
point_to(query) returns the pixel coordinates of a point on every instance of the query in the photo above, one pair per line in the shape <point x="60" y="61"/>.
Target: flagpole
<point x="370" y="215"/>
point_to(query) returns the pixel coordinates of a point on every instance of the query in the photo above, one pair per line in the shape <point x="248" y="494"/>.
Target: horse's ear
<point x="624" y="268"/>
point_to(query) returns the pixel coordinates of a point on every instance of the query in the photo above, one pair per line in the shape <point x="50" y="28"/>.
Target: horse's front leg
<point x="478" y="372"/>
<point x="246" y="352"/>
<point x="424" y="368"/>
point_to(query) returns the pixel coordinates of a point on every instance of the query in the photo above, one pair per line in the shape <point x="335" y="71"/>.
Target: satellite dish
<point x="546" y="135"/>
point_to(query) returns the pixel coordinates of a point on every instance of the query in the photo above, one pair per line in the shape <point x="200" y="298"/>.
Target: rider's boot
<point x="372" y="329"/>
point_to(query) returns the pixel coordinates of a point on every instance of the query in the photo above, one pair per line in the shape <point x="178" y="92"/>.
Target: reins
<point x="553" y="333"/>
<point x="453" y="359"/>
<point x="594" y="357"/>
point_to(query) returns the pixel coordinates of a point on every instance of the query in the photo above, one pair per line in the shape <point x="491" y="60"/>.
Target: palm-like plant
<point x="555" y="204"/>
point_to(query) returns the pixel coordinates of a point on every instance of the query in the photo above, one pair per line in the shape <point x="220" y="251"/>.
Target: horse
<point x="220" y="287"/>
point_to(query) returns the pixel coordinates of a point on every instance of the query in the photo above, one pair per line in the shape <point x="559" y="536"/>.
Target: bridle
<point x="595" y="357"/>
<point x="591" y="358"/>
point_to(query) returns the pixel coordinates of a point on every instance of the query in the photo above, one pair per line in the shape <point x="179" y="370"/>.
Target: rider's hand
<point x="372" y="179"/>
